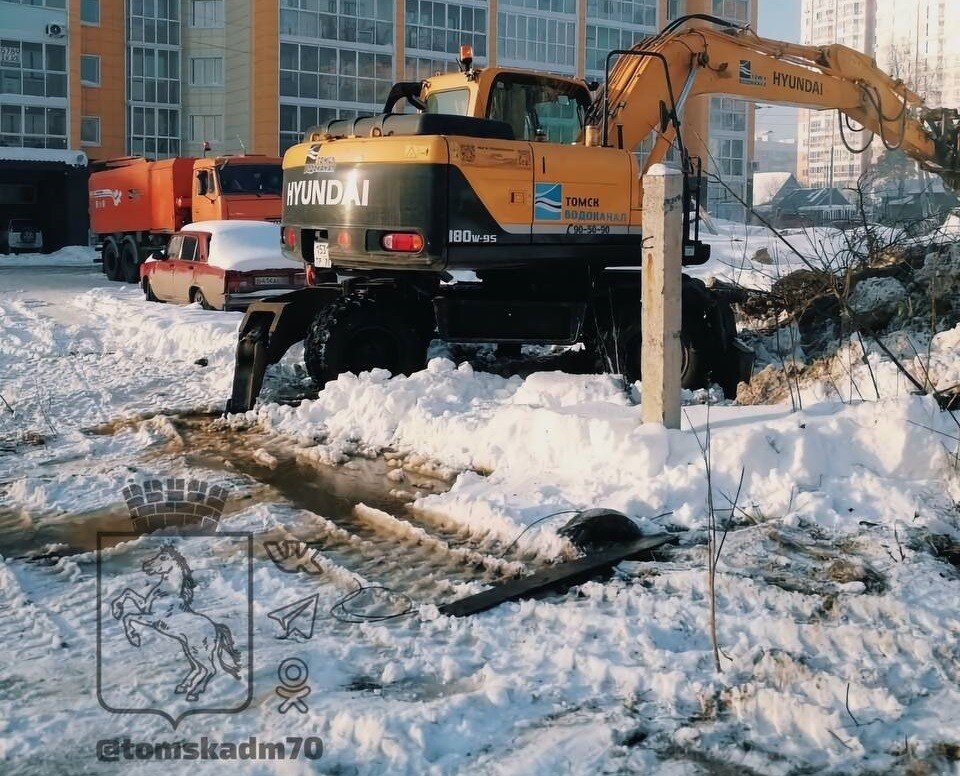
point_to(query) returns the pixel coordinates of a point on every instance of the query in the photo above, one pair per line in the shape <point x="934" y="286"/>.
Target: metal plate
<point x="321" y="254"/>
<point x="560" y="576"/>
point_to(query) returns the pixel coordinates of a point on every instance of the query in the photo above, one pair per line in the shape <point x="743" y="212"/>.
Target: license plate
<point x="321" y="254"/>
<point x="269" y="280"/>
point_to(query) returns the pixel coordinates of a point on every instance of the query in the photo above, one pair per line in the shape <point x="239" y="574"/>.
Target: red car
<point x="221" y="265"/>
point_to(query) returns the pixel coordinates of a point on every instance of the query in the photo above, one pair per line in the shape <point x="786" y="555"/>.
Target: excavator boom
<point x="704" y="55"/>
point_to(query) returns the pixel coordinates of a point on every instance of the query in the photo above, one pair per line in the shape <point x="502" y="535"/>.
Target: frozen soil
<point x="837" y="589"/>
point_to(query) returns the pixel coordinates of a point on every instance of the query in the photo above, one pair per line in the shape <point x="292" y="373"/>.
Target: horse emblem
<point x="169" y="641"/>
<point x="167" y="607"/>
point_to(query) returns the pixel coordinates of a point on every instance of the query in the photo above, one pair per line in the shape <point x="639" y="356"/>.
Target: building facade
<point x="914" y="40"/>
<point x="822" y="159"/>
<point x="165" y="77"/>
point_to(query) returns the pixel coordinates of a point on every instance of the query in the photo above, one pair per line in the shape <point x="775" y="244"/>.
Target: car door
<point x="206" y="277"/>
<point x="161" y="271"/>
<point x="182" y="268"/>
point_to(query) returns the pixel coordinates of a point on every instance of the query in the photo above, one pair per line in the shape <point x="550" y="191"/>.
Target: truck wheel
<point x="358" y="333"/>
<point x="111" y="259"/>
<point x="130" y="262"/>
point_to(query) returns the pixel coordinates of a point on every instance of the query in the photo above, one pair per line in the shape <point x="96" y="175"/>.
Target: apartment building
<point x="916" y="41"/>
<point x="167" y="77"/>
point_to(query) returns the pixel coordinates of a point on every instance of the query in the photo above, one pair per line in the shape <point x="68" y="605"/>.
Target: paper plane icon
<point x="297" y="619"/>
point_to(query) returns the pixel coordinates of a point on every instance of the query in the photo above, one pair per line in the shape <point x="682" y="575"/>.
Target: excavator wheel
<point x="111" y="259"/>
<point x="358" y="332"/>
<point x="618" y="352"/>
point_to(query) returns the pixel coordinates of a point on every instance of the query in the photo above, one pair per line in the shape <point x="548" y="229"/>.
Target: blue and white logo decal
<point x="547" y="201"/>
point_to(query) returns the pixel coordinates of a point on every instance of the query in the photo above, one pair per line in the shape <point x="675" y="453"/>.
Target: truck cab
<point x="244" y="188"/>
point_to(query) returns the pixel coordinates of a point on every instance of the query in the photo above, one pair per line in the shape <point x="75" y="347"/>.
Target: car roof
<point x="222" y="226"/>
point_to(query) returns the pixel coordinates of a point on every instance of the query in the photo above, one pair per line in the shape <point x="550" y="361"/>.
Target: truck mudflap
<point x="268" y="330"/>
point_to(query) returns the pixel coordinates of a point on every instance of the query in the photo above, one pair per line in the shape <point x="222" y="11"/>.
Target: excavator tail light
<point x="402" y="242"/>
<point x="289" y="237"/>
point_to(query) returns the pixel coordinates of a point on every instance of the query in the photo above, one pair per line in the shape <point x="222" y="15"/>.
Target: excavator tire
<point x="359" y="332"/>
<point x="618" y="352"/>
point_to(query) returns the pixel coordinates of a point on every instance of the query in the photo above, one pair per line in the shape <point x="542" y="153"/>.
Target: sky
<point x="779" y="19"/>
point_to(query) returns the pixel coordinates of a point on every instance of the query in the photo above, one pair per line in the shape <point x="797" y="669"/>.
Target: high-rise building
<point x="165" y="77"/>
<point x="822" y="159"/>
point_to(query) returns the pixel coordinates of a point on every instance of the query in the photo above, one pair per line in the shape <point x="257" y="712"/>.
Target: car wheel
<point x="198" y="297"/>
<point x="148" y="291"/>
<point x="111" y="260"/>
<point x="130" y="262"/>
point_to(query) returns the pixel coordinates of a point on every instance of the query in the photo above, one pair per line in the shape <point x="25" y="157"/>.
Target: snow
<point x="243" y="245"/>
<point x="69" y="157"/>
<point x="71" y="256"/>
<point x="839" y="626"/>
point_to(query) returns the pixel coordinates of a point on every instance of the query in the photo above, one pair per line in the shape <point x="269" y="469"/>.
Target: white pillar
<point x="660" y="362"/>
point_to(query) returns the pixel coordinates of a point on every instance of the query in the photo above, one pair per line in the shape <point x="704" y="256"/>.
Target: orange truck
<point x="136" y="205"/>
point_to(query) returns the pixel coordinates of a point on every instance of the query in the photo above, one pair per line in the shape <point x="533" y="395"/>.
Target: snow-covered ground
<point x="838" y="624"/>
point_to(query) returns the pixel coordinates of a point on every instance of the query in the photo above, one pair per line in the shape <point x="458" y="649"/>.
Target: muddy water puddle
<point x="383" y="542"/>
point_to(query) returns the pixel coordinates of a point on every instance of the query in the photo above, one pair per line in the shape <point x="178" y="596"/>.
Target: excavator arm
<point x="704" y="55"/>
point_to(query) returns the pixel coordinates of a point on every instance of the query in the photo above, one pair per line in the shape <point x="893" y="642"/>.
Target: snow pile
<point x="71" y="256"/>
<point x="63" y="156"/>
<point x="556" y="442"/>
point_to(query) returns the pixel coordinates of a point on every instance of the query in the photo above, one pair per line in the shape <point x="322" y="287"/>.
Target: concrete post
<point x="660" y="362"/>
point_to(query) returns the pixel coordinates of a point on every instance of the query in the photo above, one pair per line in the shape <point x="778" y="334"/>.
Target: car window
<point x="188" y="250"/>
<point x="173" y="249"/>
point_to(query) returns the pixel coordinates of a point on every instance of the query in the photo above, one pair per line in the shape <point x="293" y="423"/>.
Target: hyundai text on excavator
<point x="533" y="184"/>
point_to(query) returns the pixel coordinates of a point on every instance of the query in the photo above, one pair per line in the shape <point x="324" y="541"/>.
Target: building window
<point x="33" y="69"/>
<point x="603" y="40"/>
<point x="206" y="128"/>
<point x="206" y="71"/>
<point x="443" y="27"/>
<point x="297" y="119"/>
<point x="206" y="13"/>
<point x="33" y="127"/>
<point x="89" y="70"/>
<point x="418" y="68"/>
<point x="154" y="75"/>
<point x="355" y="21"/>
<point x="733" y="10"/>
<point x="543" y="39"/>
<point x="90" y="130"/>
<point x="728" y="115"/>
<point x="47" y="3"/>
<point x="728" y="156"/>
<point x="639" y="12"/>
<point x="90" y="11"/>
<point x="154" y="132"/>
<point x="339" y="75"/>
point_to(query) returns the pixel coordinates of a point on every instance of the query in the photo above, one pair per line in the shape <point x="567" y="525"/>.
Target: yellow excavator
<point x="533" y="183"/>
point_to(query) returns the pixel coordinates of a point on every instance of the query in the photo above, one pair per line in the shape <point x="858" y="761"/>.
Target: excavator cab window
<point x="539" y="107"/>
<point x="455" y="102"/>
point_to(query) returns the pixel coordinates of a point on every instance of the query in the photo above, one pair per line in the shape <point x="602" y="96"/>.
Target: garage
<point x="47" y="187"/>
